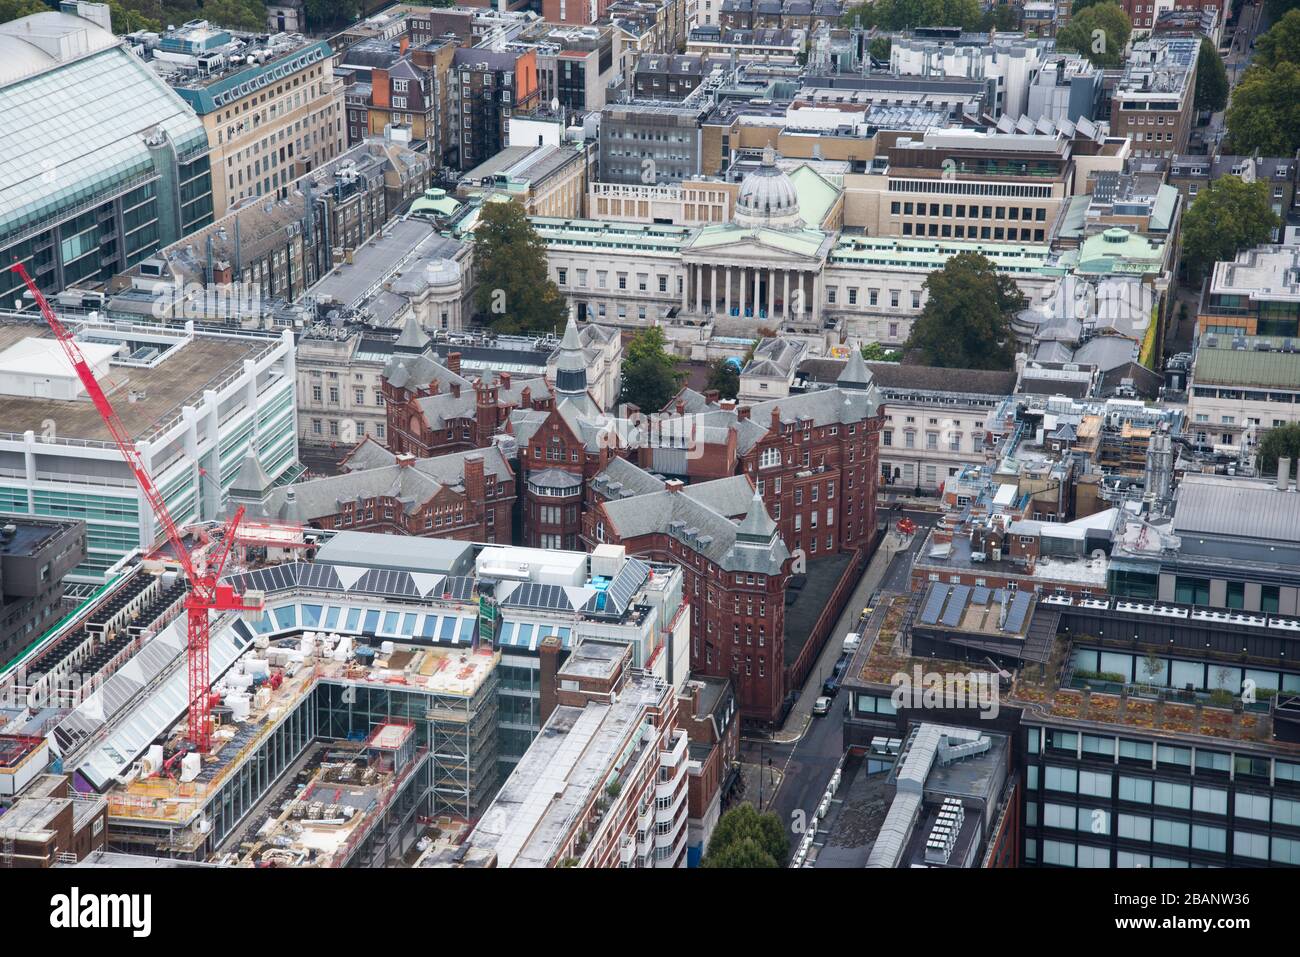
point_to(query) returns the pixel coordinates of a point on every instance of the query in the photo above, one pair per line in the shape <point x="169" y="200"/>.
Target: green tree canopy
<point x="725" y="377"/>
<point x="1227" y="217"/>
<point x="741" y="827"/>
<point x="13" y="9"/>
<point x="966" y="322"/>
<point x="326" y="13"/>
<point x="880" y="48"/>
<point x="1099" y="32"/>
<point x="875" y="352"/>
<point x="1264" y="115"/>
<point x="1281" y="44"/>
<point x="905" y="14"/>
<point x="746" y="853"/>
<point x="1211" y="79"/>
<point x="1276" y="443"/>
<point x="650" y="374"/>
<point x="514" y="292"/>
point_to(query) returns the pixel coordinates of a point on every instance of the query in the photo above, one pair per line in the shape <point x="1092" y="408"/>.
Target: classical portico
<point x="767" y="265"/>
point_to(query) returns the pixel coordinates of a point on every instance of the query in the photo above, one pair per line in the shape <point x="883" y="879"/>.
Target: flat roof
<point x="178" y="380"/>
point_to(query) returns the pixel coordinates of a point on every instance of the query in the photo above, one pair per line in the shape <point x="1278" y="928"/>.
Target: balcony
<point x="672" y="757"/>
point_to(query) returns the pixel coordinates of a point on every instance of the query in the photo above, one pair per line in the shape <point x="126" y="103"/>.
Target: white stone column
<point x="743" y="282"/>
<point x="817" y="298"/>
<point x="771" y="293"/>
<point x="758" y="292"/>
<point x="727" y="291"/>
<point x="699" y="287"/>
<point x="785" y="299"/>
<point x="713" y="291"/>
<point x="686" y="285"/>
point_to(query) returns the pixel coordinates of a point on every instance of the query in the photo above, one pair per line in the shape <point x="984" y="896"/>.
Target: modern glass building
<point x="101" y="163"/>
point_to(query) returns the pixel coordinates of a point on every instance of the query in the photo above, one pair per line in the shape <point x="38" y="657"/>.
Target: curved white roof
<point x="29" y="45"/>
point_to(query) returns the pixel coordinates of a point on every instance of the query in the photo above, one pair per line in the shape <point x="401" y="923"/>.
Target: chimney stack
<point x="548" y="653"/>
<point x="673" y="485"/>
<point x="1283" y="473"/>
<point x="406" y="460"/>
<point x="453" y="362"/>
<point x="505" y="380"/>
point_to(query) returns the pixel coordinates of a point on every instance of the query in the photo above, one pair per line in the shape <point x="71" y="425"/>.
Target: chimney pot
<point x="453" y="362"/>
<point x="673" y="485"/>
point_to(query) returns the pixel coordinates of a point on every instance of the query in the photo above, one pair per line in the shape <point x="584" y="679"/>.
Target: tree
<point x="966" y="322"/>
<point x="880" y="49"/>
<point x="1280" y="442"/>
<point x="236" y="14"/>
<point x="1211" y="79"/>
<point x="905" y="14"/>
<point x="514" y="292"/>
<point x="322" y="13"/>
<point x="1227" y="217"/>
<point x="739" y="827"/>
<point x="1100" y="32"/>
<point x="725" y="377"/>
<point x="1264" y="116"/>
<point x="650" y="375"/>
<point x="1000" y="16"/>
<point x="13" y="9"/>
<point x="875" y="352"/>
<point x="744" y="854"/>
<point x="1281" y="44"/>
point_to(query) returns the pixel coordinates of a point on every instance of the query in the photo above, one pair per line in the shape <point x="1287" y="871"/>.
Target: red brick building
<point x="708" y="712"/>
<point x="467" y="495"/>
<point x="432" y="409"/>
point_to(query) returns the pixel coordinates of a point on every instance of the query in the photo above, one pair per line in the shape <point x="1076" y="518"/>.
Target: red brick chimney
<point x="222" y="274"/>
<point x="673" y="485"/>
<point x="453" y="362"/>
<point x="711" y="395"/>
<point x="681" y="406"/>
<point x="406" y="460"/>
<point x="743" y="412"/>
<point x="505" y="380"/>
<point x="548" y="686"/>
<point x="526" y="398"/>
<point x="455" y="390"/>
<point x="473" y="476"/>
<point x="776" y="419"/>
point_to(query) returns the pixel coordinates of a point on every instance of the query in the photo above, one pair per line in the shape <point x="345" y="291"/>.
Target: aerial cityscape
<point x="719" y="434"/>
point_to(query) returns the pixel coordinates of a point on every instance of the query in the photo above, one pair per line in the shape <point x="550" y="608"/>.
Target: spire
<point x="855" y="374"/>
<point x="251" y="481"/>
<point x="413" y="337"/>
<point x="571" y="368"/>
<point x="757" y="526"/>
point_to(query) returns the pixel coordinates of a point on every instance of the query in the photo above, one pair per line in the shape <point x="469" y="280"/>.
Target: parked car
<point x="831" y="685"/>
<point x="821" y="707"/>
<point x="851" y="642"/>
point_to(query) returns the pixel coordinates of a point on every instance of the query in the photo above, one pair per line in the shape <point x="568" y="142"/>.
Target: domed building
<point x="768" y="263"/>
<point x="768" y="197"/>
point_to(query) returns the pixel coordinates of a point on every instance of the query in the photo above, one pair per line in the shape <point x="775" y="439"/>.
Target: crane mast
<point x="205" y="594"/>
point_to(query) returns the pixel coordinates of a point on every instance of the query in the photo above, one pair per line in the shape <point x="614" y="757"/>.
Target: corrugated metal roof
<point x="1239" y="508"/>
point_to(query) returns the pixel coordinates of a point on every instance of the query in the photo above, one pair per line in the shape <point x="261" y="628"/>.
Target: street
<point x="806" y="763"/>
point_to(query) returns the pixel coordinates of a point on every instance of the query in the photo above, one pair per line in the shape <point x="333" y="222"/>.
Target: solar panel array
<point x="933" y="605"/>
<point x="956" y="605"/>
<point x="626" y="583"/>
<point x="980" y="596"/>
<point x="534" y="595"/>
<point x="1016" y="615"/>
<point x="385" y="581"/>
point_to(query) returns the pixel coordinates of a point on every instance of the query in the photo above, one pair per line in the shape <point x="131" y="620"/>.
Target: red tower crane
<point x="206" y="594"/>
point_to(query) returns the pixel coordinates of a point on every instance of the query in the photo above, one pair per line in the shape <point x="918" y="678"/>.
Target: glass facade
<point x="80" y="188"/>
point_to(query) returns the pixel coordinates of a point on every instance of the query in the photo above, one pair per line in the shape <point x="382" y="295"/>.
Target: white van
<point x="851" y="642"/>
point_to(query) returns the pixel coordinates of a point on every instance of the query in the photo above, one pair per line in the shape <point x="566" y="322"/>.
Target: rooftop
<point x="149" y="395"/>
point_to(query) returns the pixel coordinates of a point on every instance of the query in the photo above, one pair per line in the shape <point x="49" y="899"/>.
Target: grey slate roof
<point x="703" y="529"/>
<point x="412" y="485"/>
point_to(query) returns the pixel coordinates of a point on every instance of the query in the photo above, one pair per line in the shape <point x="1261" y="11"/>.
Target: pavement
<point x="805" y="752"/>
